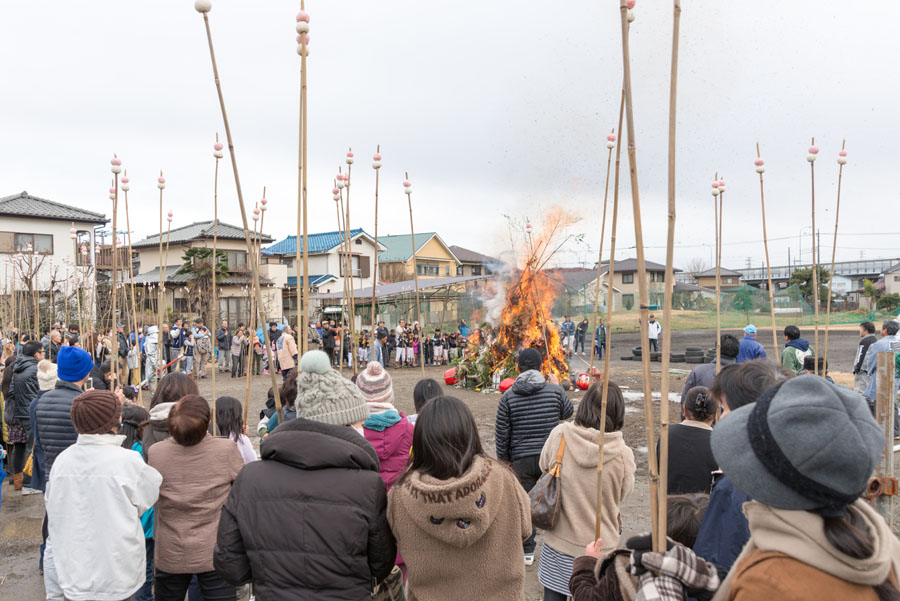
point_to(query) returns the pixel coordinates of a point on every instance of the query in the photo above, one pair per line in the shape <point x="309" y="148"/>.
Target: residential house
<point x="727" y="278"/>
<point x="233" y="293"/>
<point x="625" y="282"/>
<point x="857" y="271"/>
<point x="576" y="291"/>
<point x="433" y="258"/>
<point x="39" y="253"/>
<point x="326" y="263"/>
<point x="892" y="279"/>
<point x="473" y="263"/>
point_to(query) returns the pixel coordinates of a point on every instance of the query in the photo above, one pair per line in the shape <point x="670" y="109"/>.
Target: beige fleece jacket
<point x="462" y="538"/>
<point x="575" y="524"/>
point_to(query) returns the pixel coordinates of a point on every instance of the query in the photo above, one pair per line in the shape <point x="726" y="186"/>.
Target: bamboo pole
<point x="609" y="312"/>
<point x="303" y="167"/>
<point x="760" y="168"/>
<point x="658" y="545"/>
<point x="376" y="165"/>
<point x="237" y="182"/>
<point x="217" y="154"/>
<point x="135" y="373"/>
<point x="350" y="264"/>
<point x="668" y="284"/>
<point x="610" y="143"/>
<point x="342" y="254"/>
<point x="407" y="189"/>
<point x="114" y="357"/>
<point x="718" y="226"/>
<point x="884" y="404"/>
<point x="156" y="376"/>
<point x="811" y="157"/>
<point x="345" y="251"/>
<point x="255" y="262"/>
<point x="842" y="160"/>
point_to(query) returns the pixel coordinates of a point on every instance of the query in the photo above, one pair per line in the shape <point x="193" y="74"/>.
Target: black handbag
<point x="546" y="495"/>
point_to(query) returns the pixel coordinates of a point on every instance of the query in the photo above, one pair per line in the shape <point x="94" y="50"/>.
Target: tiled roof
<point x="686" y="287"/>
<point x="199" y="230"/>
<point x="314" y="280"/>
<point x="236" y="279"/>
<point x="627" y="265"/>
<point x="318" y="243"/>
<point x="24" y="204"/>
<point x="399" y="248"/>
<point x="470" y="256"/>
<point x="712" y="273"/>
<point x="572" y="279"/>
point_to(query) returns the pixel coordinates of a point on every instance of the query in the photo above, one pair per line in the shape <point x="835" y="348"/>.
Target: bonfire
<point x="524" y="320"/>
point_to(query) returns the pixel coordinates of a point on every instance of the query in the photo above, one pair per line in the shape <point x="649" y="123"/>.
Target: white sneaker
<point x="529" y="559"/>
<point x="31" y="491"/>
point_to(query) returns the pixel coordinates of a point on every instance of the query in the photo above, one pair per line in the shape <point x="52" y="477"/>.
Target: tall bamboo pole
<point x="376" y="165"/>
<point x="303" y="168"/>
<point x="255" y="262"/>
<point x="668" y="284"/>
<point x="604" y="398"/>
<point x="116" y="169"/>
<point x="342" y="253"/>
<point x="135" y="373"/>
<point x="217" y="154"/>
<point x="842" y="160"/>
<point x="718" y="227"/>
<point x="658" y="545"/>
<point x="203" y="7"/>
<point x="760" y="168"/>
<point x="610" y="143"/>
<point x="345" y="250"/>
<point x="407" y="189"/>
<point x="811" y="157"/>
<point x="155" y="377"/>
<point x="350" y="264"/>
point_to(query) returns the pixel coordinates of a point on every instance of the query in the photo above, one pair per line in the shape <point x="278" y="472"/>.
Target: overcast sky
<point x="494" y="108"/>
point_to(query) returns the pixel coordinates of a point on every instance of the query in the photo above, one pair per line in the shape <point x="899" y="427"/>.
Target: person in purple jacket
<point x="750" y="349"/>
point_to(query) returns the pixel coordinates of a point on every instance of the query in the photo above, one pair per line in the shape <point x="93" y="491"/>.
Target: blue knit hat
<point x="73" y="363"/>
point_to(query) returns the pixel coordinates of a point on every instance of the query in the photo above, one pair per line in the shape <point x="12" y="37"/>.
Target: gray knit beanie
<point x="323" y="395"/>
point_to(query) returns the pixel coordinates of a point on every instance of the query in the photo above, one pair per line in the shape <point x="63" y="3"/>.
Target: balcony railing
<point x="104" y="257"/>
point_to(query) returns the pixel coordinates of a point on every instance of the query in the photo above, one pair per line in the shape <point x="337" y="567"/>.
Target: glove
<point x="671" y="575"/>
<point x="640" y="544"/>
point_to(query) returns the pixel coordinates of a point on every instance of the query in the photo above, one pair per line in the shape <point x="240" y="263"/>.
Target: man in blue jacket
<point x="750" y="349"/>
<point x="526" y="415"/>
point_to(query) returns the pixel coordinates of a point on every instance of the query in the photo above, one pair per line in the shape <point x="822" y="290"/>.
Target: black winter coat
<point x="526" y="415"/>
<point x="328" y="338"/>
<point x="22" y="390"/>
<point x="308" y="521"/>
<point x="54" y="421"/>
<point x="7" y="375"/>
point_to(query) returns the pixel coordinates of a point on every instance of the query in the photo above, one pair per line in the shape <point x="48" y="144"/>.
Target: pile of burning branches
<point x="525" y="320"/>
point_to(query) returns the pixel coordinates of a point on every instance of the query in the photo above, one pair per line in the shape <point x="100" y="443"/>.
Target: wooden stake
<point x="412" y="230"/>
<point x="600" y="264"/>
<point x="815" y="263"/>
<point x="240" y="195"/>
<point x="668" y="283"/>
<point x="837" y="214"/>
<point x="658" y="545"/>
<point x="136" y="373"/>
<point x="376" y="164"/>
<point x="884" y="414"/>
<point x="762" y="199"/>
<point x="609" y="312"/>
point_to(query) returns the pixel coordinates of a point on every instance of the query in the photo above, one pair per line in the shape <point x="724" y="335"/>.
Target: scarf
<point x="801" y="535"/>
<point x="381" y="421"/>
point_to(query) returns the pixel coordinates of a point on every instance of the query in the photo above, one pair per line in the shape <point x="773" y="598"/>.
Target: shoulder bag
<point x="546" y="495"/>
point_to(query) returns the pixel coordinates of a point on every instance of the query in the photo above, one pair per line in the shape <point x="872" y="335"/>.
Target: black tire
<point x="691" y="354"/>
<point x="636" y="353"/>
<point x="628" y="358"/>
<point x="655" y="356"/>
<point x="694" y="348"/>
<point x="694" y="360"/>
<point x="711" y="351"/>
<point x="677" y="358"/>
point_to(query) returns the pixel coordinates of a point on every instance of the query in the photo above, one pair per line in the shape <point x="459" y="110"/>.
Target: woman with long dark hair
<point x="459" y="516"/>
<point x="574" y="527"/>
<point x="172" y="387"/>
<point x="230" y="424"/>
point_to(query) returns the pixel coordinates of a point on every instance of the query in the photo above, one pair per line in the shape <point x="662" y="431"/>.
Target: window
<point x="83" y="240"/>
<point x="460" y="270"/>
<point x="446" y="271"/>
<point x="432" y="269"/>
<point x="476" y="270"/>
<point x="237" y="260"/>
<point x="11" y="242"/>
<point x="628" y="301"/>
<point x="358" y="241"/>
<point x="628" y="278"/>
<point x="289" y="263"/>
<point x="354" y="262"/>
<point x="181" y="305"/>
<point x="897" y="278"/>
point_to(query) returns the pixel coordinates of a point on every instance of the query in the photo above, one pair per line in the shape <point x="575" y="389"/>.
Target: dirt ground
<point x="20" y="517"/>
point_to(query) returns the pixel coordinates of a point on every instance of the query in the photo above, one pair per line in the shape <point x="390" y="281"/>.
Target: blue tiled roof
<point x="314" y="280"/>
<point x="318" y="243"/>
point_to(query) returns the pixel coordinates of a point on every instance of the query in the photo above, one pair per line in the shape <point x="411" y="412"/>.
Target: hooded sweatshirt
<point x="158" y="428"/>
<point x="793" y="354"/>
<point x="788" y="557"/>
<point x="462" y="537"/>
<point x="526" y="415"/>
<point x="574" y="528"/>
<point x="391" y="436"/>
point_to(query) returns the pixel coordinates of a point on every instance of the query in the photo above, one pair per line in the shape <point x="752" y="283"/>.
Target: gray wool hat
<point x="804" y="444"/>
<point x="323" y="395"/>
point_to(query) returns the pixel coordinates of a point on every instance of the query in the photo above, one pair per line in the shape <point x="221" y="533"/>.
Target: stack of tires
<point x="677" y="357"/>
<point x="711" y="355"/>
<point x="694" y="355"/>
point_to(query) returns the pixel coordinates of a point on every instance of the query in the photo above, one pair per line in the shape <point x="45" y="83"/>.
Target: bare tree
<point x="696" y="265"/>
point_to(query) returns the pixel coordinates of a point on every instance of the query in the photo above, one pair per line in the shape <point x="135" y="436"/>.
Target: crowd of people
<point x="347" y="497"/>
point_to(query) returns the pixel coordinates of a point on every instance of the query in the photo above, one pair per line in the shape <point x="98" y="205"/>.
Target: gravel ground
<point x="20" y="517"/>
